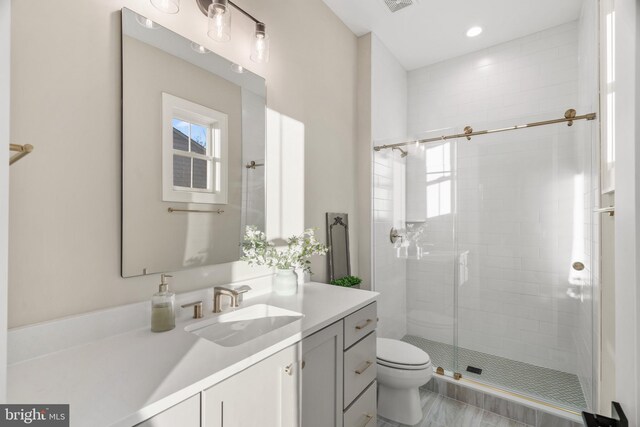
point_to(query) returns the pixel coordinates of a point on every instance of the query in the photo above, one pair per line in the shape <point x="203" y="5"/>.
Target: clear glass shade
<point x="167" y="6"/>
<point x="219" y="22"/>
<point x="260" y="48"/>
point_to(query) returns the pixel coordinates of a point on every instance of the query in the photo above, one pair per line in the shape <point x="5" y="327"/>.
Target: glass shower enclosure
<point x="483" y="254"/>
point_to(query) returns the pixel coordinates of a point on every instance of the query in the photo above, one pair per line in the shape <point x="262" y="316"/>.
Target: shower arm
<point x="403" y="153"/>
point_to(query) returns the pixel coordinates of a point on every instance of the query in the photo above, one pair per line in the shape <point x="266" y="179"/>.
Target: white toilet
<point x="402" y="369"/>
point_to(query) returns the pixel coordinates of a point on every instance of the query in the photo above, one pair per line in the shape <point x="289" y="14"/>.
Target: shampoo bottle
<point x="163" y="315"/>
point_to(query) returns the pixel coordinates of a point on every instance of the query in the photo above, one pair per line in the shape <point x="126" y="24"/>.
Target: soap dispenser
<point x="163" y="315"/>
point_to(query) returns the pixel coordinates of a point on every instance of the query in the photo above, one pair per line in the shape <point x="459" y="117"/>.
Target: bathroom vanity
<point x="316" y="370"/>
<point x="335" y="377"/>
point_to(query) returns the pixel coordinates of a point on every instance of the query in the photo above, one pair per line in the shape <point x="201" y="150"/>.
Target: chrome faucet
<point x="234" y="294"/>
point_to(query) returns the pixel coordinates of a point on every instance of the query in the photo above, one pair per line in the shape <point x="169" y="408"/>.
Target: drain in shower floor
<point x="474" y="370"/>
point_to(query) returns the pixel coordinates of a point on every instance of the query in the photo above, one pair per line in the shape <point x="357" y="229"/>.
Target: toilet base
<point x="399" y="405"/>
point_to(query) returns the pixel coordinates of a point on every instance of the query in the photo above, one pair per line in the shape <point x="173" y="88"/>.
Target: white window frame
<point x="217" y="124"/>
<point x="607" y="96"/>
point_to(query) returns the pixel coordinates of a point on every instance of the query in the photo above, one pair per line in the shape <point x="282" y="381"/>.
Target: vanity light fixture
<point x="260" y="45"/>
<point x="474" y="31"/>
<point x="167" y="6"/>
<point x="218" y="13"/>
<point x="219" y="21"/>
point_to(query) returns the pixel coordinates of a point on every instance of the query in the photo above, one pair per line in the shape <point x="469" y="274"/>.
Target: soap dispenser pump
<point x="163" y="315"/>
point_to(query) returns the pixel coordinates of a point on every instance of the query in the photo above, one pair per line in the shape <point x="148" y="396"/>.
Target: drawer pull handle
<point x="358" y="327"/>
<point x="367" y="420"/>
<point x="360" y="371"/>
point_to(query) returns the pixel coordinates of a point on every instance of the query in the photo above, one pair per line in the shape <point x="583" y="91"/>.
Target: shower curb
<point x="533" y="415"/>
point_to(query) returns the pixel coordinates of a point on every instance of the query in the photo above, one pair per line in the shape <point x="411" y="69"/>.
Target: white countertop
<point x="124" y="379"/>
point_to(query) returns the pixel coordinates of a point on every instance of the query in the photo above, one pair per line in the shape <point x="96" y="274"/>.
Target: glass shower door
<point x="523" y="285"/>
<point x="428" y="246"/>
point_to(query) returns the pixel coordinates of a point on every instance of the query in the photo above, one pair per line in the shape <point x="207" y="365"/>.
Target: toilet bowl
<point x="402" y="369"/>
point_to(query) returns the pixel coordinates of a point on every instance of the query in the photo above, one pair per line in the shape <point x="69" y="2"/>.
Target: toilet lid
<point x="395" y="353"/>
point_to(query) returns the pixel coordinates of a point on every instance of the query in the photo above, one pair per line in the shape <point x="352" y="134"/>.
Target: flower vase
<point x="285" y="282"/>
<point x="303" y="276"/>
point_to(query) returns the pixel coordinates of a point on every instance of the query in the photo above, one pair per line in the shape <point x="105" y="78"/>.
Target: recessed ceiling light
<point x="474" y="31"/>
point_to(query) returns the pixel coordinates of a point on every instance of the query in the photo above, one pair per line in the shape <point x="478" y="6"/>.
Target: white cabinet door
<point x="264" y="395"/>
<point x="184" y="414"/>
<point x="321" y="378"/>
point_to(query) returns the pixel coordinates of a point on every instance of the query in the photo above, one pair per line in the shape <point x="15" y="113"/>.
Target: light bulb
<point x="260" y="48"/>
<point x="219" y="21"/>
<point x="167" y="6"/>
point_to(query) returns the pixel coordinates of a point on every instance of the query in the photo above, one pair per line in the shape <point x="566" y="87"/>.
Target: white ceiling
<point x="431" y="31"/>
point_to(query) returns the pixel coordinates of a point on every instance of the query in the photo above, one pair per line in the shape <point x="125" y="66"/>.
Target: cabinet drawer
<point x="360" y="368"/>
<point x="359" y="324"/>
<point x="363" y="411"/>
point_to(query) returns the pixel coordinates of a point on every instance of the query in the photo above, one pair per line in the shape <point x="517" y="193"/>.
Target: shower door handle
<point x="394" y="235"/>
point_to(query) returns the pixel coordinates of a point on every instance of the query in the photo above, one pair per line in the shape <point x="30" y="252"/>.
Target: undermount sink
<point x="239" y="326"/>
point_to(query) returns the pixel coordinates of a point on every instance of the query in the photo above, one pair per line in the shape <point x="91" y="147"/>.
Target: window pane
<point x="216" y="137"/>
<point x="435" y="159"/>
<point x="198" y="139"/>
<point x="200" y="173"/>
<point x="180" y="135"/>
<point x="433" y="200"/>
<point x="181" y="171"/>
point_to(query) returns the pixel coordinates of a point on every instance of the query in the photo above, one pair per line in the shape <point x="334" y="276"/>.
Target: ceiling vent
<point x="396" y="5"/>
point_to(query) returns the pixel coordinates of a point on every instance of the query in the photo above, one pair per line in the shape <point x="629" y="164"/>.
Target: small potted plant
<point x="295" y="255"/>
<point x="348" y="282"/>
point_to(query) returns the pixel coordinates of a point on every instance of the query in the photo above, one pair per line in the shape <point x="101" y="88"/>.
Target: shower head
<point x="403" y="153"/>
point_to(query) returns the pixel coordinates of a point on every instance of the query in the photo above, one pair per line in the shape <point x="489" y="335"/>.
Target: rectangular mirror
<point x="193" y="151"/>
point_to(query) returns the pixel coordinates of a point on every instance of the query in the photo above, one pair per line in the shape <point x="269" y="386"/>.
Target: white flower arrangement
<point x="258" y="251"/>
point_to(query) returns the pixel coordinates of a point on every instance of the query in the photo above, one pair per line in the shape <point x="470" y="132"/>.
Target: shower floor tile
<point x="548" y="385"/>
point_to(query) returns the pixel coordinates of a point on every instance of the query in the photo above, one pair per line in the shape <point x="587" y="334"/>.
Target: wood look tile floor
<point x="440" y="411"/>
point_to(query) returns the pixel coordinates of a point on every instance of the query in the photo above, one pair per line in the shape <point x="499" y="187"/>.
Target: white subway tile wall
<point x="388" y="122"/>
<point x="390" y="271"/>
<point x="523" y="201"/>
